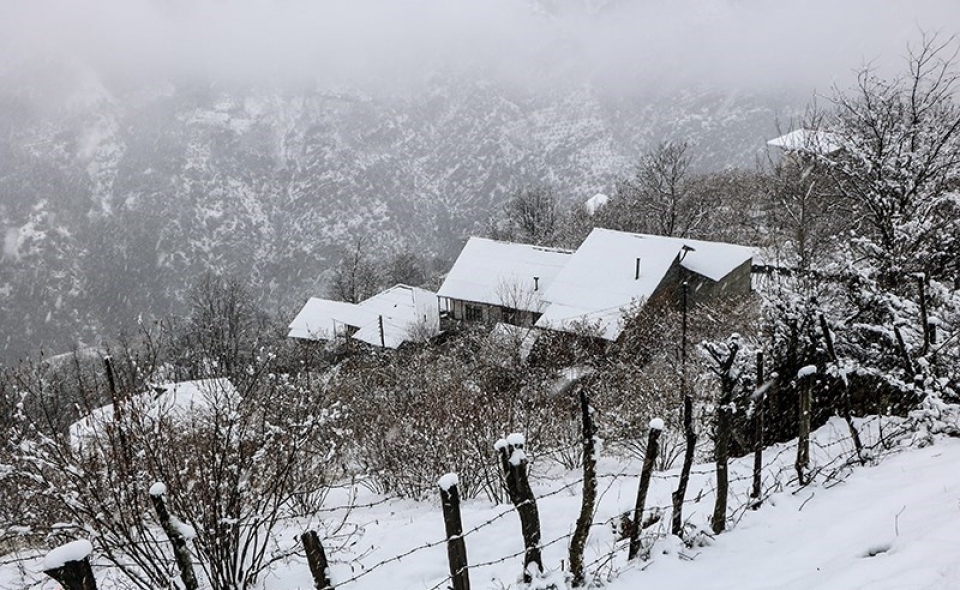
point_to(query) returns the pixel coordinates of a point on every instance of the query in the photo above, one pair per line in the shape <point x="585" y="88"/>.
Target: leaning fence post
<point x="591" y="449"/>
<point x="176" y="535"/>
<point x="70" y="565"/>
<point x="653" y="449"/>
<point x="456" y="547"/>
<point x="514" y="463"/>
<point x="317" y="559"/>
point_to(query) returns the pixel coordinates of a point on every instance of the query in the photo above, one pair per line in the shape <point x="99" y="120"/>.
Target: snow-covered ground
<point x="890" y="525"/>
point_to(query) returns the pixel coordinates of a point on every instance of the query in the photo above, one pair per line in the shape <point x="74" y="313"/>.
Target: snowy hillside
<point x="111" y="208"/>
<point x="889" y="525"/>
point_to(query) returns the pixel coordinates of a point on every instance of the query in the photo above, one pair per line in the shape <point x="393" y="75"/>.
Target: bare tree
<point x="531" y="216"/>
<point x="661" y="197"/>
<point x="356" y="277"/>
<point x="900" y="163"/>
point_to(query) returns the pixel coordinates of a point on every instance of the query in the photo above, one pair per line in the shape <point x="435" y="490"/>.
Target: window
<point x="472" y="313"/>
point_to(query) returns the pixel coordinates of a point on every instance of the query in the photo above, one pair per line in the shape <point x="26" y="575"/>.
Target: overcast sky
<point x="744" y="44"/>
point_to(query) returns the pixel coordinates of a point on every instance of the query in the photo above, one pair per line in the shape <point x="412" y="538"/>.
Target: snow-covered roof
<point x="407" y="312"/>
<point x="171" y="400"/>
<point x="594" y="203"/>
<point x="323" y="319"/>
<point x="601" y="279"/>
<point x="808" y="140"/>
<point x="503" y="273"/>
<point x="713" y="260"/>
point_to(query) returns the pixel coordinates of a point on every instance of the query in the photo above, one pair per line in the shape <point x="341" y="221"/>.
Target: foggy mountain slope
<point x="143" y="143"/>
<point x="111" y="208"/>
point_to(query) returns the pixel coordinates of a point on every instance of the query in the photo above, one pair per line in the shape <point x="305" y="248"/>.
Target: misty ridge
<point x="146" y="143"/>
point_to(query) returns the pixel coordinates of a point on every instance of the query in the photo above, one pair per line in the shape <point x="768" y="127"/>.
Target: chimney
<point x="638" y="270"/>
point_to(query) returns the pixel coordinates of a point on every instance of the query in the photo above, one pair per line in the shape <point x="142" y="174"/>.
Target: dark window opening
<point x="473" y="313"/>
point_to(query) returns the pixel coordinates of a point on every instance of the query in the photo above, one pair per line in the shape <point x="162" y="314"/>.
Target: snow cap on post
<point x="158" y="489"/>
<point x="656" y="424"/>
<point x="516" y="439"/>
<point x="73" y="551"/>
<point x="448" y="481"/>
<point x="807" y="371"/>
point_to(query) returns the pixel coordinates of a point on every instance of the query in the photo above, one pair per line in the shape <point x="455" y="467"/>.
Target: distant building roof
<point x="408" y="313"/>
<point x="594" y="203"/>
<point x="812" y="141"/>
<point x="601" y="278"/>
<point x="503" y="273"/>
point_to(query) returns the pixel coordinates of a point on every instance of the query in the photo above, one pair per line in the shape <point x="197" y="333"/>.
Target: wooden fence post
<point x="70" y="566"/>
<point x="653" y="449"/>
<point x="453" y="524"/>
<point x="725" y="359"/>
<point x="514" y="463"/>
<point x="177" y="538"/>
<point x="317" y="559"/>
<point x="689" y="434"/>
<point x="590" y="450"/>
<point x="758" y="410"/>
<point x="803" y="438"/>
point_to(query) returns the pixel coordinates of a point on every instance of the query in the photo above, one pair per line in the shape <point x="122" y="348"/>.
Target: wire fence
<point x="832" y="461"/>
<point x="833" y="457"/>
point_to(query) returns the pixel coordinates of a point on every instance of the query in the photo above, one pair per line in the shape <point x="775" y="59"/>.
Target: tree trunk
<point x="845" y="402"/>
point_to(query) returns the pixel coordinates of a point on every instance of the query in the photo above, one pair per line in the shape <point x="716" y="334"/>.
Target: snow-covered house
<point x="176" y="401"/>
<point x="595" y="203"/>
<point x="399" y="314"/>
<point x="810" y="141"/>
<point x="611" y="271"/>
<point x="494" y="281"/>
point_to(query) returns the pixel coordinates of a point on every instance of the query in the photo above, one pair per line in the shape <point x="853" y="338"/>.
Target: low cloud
<point x="753" y="45"/>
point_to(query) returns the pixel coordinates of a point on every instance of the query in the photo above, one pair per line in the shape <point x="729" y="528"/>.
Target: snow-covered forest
<point x="801" y="436"/>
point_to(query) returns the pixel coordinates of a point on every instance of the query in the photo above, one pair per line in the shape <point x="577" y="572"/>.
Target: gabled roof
<point x="323" y="319"/>
<point x="812" y="141"/>
<point x="407" y="312"/>
<point x="503" y="273"/>
<point x="713" y="260"/>
<point x="601" y="279"/>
